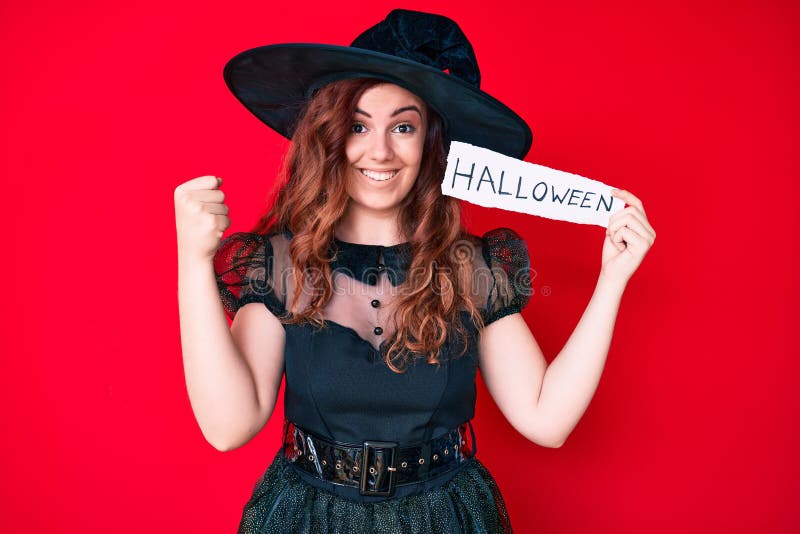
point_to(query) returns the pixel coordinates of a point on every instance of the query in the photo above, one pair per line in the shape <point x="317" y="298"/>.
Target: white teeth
<point x="379" y="176"/>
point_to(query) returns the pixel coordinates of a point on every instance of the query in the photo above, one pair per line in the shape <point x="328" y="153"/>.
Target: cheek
<point x="414" y="153"/>
<point x="351" y="150"/>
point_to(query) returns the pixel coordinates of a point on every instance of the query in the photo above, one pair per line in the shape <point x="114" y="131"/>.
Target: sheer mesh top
<point x="337" y="384"/>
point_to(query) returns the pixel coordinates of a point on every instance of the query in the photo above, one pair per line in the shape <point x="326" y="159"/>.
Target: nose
<point x="381" y="148"/>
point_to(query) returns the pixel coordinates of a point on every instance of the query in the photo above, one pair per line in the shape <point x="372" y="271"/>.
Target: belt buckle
<point x="378" y="468"/>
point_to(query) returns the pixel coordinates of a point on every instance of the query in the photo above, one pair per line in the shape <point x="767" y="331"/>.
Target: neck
<point x="361" y="225"/>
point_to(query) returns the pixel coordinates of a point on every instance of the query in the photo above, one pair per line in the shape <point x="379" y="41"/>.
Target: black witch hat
<point x="426" y="54"/>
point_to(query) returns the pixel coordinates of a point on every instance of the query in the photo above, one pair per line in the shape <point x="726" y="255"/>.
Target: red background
<point x="692" y="106"/>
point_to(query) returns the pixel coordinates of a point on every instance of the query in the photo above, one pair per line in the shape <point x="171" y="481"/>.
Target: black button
<point x="378" y="330"/>
<point x="375" y="303"/>
<point x="381" y="267"/>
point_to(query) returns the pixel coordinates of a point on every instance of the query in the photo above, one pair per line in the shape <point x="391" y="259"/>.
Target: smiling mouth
<point x="378" y="176"/>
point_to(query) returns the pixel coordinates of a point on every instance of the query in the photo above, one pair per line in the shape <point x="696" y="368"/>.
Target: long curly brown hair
<point x="311" y="199"/>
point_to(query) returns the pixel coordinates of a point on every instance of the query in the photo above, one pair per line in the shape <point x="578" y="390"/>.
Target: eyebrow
<point x="396" y="112"/>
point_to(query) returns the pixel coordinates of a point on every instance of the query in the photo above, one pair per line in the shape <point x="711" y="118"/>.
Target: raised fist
<point x="201" y="217"/>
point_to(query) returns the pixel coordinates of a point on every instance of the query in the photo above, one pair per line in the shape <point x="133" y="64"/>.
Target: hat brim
<point x="275" y="81"/>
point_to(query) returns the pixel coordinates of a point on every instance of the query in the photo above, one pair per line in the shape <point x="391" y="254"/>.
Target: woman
<point x="362" y="286"/>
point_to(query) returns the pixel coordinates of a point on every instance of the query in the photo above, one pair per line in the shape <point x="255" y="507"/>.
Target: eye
<point x="404" y="128"/>
<point x="357" y="128"/>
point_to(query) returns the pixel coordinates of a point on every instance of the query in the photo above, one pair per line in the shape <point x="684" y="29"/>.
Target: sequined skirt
<point x="282" y="502"/>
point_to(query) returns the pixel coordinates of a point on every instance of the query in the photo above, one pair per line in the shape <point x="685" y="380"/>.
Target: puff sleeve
<point x="506" y="255"/>
<point x="243" y="267"/>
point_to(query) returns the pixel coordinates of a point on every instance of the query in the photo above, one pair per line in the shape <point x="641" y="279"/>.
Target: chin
<point x="376" y="202"/>
<point x="378" y="198"/>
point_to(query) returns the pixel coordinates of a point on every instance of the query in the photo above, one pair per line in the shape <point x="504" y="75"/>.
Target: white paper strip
<point x="493" y="180"/>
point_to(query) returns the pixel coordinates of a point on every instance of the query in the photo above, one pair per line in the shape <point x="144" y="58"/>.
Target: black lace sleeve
<point x="243" y="266"/>
<point x="506" y="255"/>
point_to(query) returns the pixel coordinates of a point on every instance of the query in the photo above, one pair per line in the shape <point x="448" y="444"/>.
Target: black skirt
<point x="282" y="502"/>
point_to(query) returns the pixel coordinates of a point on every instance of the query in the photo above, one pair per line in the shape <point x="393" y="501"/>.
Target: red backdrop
<point x="107" y="106"/>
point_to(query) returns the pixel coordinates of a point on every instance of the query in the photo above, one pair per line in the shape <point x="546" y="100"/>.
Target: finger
<point x="614" y="219"/>
<point x="202" y="182"/>
<point x="642" y="218"/>
<point x="216" y="209"/>
<point x="638" y="229"/>
<point x="617" y="245"/>
<point x="633" y="241"/>
<point x="617" y="220"/>
<point x="208" y="195"/>
<point x="628" y="197"/>
<point x="615" y="239"/>
<point x="222" y="222"/>
<point x="627" y="209"/>
<point x="633" y="219"/>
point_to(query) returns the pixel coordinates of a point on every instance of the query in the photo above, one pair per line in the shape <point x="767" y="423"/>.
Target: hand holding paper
<point x="493" y="180"/>
<point x="628" y="238"/>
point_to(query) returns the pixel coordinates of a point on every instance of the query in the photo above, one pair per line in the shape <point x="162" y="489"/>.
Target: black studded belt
<point x="377" y="467"/>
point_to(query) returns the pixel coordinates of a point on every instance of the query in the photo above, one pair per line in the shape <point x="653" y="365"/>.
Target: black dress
<point x="338" y="386"/>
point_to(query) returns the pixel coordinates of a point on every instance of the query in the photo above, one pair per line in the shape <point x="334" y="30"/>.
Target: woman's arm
<point x="545" y="402"/>
<point x="232" y="375"/>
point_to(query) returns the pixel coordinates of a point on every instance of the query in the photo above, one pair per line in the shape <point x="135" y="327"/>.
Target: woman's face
<point x="384" y="146"/>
